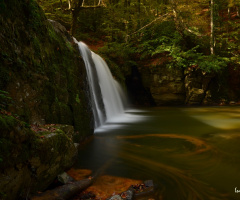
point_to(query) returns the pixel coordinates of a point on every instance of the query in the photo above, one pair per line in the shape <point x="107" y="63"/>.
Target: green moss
<point x="18" y="152"/>
<point x="24" y="113"/>
<point x="52" y="35"/>
<point x="35" y="15"/>
<point x="77" y="98"/>
<point x="7" y="122"/>
<point x="37" y="46"/>
<point x="70" y="47"/>
<point x="3" y="124"/>
<point x="56" y="143"/>
<point x="65" y="113"/>
<point x="45" y="108"/>
<point x="20" y="64"/>
<point x="50" y="65"/>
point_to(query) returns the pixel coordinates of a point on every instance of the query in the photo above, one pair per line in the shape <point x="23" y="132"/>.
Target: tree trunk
<point x="229" y="12"/>
<point x="69" y="4"/>
<point x="139" y="6"/>
<point x="178" y="20"/>
<point x="75" y="13"/>
<point x="139" y="13"/>
<point x="74" y="21"/>
<point x="61" y="4"/>
<point x="212" y="40"/>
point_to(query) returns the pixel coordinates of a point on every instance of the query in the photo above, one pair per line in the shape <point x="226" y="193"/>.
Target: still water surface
<point x="189" y="153"/>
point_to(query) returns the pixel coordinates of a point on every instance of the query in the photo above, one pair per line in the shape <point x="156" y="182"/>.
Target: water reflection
<point x="187" y="153"/>
<point x="220" y="117"/>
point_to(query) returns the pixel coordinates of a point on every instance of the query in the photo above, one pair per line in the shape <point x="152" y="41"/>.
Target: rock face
<point x="42" y="71"/>
<point x="176" y="86"/>
<point x="41" y="68"/>
<point x="30" y="160"/>
<point x="197" y="87"/>
<point x="165" y="85"/>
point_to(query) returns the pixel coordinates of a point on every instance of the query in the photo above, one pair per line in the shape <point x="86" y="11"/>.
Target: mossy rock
<point x="32" y="159"/>
<point x="46" y="64"/>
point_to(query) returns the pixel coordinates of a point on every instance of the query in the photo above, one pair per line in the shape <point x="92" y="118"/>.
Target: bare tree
<point x="76" y="6"/>
<point x="212" y="37"/>
<point x="69" y="4"/>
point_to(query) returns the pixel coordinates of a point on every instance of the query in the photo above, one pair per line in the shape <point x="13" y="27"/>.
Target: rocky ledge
<point x="32" y="157"/>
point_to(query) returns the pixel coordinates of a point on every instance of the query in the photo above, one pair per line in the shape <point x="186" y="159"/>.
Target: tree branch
<point x="86" y="7"/>
<point x="148" y="24"/>
<point x="194" y="32"/>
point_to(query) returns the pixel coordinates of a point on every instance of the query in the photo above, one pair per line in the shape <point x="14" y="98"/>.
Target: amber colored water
<point x="189" y="153"/>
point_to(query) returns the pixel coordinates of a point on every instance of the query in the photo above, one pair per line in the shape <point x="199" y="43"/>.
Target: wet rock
<point x="115" y="197"/>
<point x="64" y="178"/>
<point x="148" y="183"/>
<point x="59" y="28"/>
<point x="128" y="195"/>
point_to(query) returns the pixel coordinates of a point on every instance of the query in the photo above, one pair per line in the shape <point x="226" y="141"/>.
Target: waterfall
<point x="107" y="97"/>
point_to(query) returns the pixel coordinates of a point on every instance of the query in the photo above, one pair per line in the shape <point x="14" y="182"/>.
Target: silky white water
<point x="107" y="97"/>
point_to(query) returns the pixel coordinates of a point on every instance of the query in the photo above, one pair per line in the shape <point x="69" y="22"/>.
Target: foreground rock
<point x="64" y="192"/>
<point x="135" y="191"/>
<point x="32" y="160"/>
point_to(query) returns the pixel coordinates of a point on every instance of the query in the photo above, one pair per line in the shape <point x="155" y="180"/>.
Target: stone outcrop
<point x="197" y="87"/>
<point x="41" y="68"/>
<point x="31" y="160"/>
<point x="165" y="85"/>
<point x="177" y="86"/>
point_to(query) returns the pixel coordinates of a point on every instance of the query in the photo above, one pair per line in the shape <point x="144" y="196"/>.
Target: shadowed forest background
<point x="132" y="35"/>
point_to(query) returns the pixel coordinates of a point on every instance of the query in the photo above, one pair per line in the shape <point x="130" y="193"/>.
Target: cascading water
<point x="108" y="98"/>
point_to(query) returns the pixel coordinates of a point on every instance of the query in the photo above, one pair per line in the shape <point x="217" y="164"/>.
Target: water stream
<point x="189" y="153"/>
<point x="108" y="98"/>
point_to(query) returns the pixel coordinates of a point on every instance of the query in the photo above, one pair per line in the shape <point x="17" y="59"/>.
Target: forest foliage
<point x="134" y="30"/>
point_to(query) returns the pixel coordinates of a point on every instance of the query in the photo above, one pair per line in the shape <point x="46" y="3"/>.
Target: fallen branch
<point x="65" y="192"/>
<point x="69" y="190"/>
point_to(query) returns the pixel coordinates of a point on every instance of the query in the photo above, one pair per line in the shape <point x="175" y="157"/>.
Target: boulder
<point x="31" y="160"/>
<point x="197" y="87"/>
